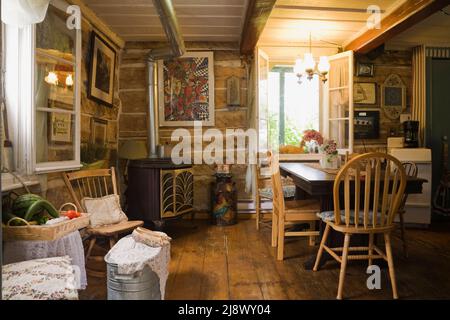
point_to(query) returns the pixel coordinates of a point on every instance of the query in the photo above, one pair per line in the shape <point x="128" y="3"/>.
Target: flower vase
<point x="330" y="161"/>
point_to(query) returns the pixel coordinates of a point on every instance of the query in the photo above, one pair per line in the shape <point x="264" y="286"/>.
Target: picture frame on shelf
<point x="102" y="71"/>
<point x="365" y="93"/>
<point x="364" y="69"/>
<point x="186" y="90"/>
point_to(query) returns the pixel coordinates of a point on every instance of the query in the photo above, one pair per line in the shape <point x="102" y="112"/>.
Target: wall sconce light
<point x="51" y="78"/>
<point x="69" y="80"/>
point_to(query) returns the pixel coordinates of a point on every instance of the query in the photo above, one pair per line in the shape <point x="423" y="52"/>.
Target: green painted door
<point x="438" y="117"/>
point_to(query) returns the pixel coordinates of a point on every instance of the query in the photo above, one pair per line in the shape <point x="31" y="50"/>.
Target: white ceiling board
<point x="328" y="21"/>
<point x="433" y="31"/>
<point x="209" y="20"/>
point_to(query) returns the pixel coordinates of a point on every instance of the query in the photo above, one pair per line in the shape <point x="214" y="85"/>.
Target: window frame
<point x="23" y="128"/>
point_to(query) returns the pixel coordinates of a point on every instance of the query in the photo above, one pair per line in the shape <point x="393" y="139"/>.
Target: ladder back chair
<point x="410" y="171"/>
<point x="264" y="190"/>
<point x="289" y="212"/>
<point x="376" y="217"/>
<point x="96" y="184"/>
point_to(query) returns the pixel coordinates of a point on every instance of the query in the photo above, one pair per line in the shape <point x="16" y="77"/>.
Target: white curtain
<point x="419" y="102"/>
<point x="23" y="12"/>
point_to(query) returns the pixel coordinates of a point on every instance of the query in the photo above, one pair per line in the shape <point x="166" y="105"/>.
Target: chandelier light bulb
<point x="299" y="68"/>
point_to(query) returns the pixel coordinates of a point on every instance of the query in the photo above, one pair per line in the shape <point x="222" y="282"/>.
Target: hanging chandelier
<point x="307" y="67"/>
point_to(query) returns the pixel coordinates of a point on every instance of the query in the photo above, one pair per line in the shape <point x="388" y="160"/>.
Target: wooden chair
<point x="96" y="184"/>
<point x="286" y="212"/>
<point x="366" y="172"/>
<point x="410" y="171"/>
<point x="264" y="192"/>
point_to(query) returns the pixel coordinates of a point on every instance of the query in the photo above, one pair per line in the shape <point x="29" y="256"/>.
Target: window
<point x="293" y="107"/>
<point x="43" y="94"/>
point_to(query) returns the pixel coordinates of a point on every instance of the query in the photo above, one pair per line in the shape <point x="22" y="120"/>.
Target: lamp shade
<point x="324" y="65"/>
<point x="133" y="149"/>
<point x="299" y="68"/>
<point x="24" y="12"/>
<point x="309" y="62"/>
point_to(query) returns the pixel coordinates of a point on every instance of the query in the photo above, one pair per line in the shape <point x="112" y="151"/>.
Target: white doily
<point x="70" y="245"/>
<point x="131" y="256"/>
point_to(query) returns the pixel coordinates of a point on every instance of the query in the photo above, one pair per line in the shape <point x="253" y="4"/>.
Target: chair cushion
<point x="328" y="216"/>
<point x="113" y="229"/>
<point x="288" y="191"/>
<point x="104" y="211"/>
<point x="40" y="279"/>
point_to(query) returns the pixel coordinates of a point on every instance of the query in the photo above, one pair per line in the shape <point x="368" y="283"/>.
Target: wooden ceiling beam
<point x="400" y="19"/>
<point x="258" y="13"/>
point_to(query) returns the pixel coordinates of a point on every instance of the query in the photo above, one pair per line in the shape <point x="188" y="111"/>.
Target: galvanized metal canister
<point x="141" y="285"/>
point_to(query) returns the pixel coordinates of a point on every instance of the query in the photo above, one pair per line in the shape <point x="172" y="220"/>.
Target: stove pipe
<point x="175" y="49"/>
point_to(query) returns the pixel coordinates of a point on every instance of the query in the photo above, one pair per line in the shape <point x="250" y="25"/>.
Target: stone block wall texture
<point x="133" y="116"/>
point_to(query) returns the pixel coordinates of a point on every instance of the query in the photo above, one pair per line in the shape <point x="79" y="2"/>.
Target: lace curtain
<point x="24" y="12"/>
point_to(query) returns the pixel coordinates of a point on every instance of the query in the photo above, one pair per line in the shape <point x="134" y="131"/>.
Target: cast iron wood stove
<point x="159" y="190"/>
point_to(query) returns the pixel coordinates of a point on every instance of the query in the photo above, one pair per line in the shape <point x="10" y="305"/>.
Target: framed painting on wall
<point x="186" y="90"/>
<point x="99" y="131"/>
<point x="101" y="73"/>
<point x="365" y="93"/>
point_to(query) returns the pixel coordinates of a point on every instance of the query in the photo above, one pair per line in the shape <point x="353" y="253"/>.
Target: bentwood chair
<point x="264" y="192"/>
<point x="411" y="171"/>
<point x="366" y="173"/>
<point x="96" y="184"/>
<point x="289" y="212"/>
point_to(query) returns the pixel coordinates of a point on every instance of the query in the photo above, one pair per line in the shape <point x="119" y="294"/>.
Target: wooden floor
<point x="237" y="262"/>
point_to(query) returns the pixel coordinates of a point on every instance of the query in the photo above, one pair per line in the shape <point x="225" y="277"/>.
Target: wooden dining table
<point x="311" y="181"/>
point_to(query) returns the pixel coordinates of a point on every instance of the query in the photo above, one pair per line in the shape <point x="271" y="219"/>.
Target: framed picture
<point x="98" y="131"/>
<point x="101" y="73"/>
<point x="365" y="93"/>
<point x="60" y="128"/>
<point x="186" y="90"/>
<point x="364" y="69"/>
<point x="393" y="96"/>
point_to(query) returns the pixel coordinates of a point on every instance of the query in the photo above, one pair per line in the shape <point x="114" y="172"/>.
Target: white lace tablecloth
<point x="131" y="256"/>
<point x="70" y="245"/>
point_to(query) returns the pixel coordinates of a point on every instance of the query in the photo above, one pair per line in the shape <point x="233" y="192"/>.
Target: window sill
<point x="300" y="157"/>
<point x="9" y="182"/>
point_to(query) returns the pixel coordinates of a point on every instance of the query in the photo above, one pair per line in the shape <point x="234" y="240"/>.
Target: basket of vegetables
<point x="31" y="217"/>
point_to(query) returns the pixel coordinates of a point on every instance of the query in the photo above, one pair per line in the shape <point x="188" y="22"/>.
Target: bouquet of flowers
<point x="311" y="141"/>
<point x="312" y="135"/>
<point x="329" y="148"/>
<point x="330" y="155"/>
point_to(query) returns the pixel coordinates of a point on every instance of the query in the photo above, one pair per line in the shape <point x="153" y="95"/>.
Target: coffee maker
<point x="411" y="134"/>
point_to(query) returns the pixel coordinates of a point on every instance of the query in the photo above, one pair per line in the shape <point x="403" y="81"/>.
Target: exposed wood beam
<point x="258" y="13"/>
<point x="400" y="19"/>
<point x="98" y="23"/>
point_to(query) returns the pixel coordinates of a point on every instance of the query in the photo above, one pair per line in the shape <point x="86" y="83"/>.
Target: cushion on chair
<point x="40" y="279"/>
<point x="328" y="216"/>
<point x="113" y="229"/>
<point x="104" y="211"/>
<point x="288" y="191"/>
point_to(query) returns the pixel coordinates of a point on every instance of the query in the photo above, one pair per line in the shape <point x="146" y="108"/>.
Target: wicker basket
<point x="46" y="232"/>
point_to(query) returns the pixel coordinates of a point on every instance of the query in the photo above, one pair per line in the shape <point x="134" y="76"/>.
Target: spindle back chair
<point x="96" y="184"/>
<point x="379" y="175"/>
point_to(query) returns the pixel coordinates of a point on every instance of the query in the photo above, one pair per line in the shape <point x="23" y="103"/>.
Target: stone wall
<point x="397" y="62"/>
<point x="52" y="184"/>
<point x="133" y="117"/>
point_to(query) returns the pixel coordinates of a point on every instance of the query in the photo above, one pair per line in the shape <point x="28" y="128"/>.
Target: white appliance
<point x="418" y="206"/>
